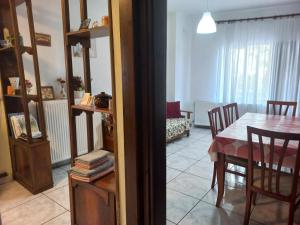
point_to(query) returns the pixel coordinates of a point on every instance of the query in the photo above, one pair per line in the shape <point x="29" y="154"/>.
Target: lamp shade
<point x="207" y="25"/>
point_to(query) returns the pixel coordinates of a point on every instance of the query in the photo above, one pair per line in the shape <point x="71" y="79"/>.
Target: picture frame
<point x="43" y="39"/>
<point x="47" y="93"/>
<point x="85" y="24"/>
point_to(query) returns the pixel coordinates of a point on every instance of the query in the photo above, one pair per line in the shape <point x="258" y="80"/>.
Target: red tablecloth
<point x="233" y="140"/>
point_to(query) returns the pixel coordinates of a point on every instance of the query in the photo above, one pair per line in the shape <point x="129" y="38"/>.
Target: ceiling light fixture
<point x="207" y="24"/>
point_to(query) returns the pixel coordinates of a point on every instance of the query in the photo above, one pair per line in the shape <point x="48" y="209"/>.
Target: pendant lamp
<point x="207" y="24"/>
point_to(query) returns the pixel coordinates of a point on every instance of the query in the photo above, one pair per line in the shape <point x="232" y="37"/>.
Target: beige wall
<point x="5" y="163"/>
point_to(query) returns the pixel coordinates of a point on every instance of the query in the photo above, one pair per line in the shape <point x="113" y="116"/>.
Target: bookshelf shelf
<point x="23" y="49"/>
<point x="97" y="32"/>
<point x="29" y="97"/>
<point x="91" y="109"/>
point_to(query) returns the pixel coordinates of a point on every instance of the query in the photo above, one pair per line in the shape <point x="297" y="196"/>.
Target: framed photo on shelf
<point x="43" y="39"/>
<point x="47" y="93"/>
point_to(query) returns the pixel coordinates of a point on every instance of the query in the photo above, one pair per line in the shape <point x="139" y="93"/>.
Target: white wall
<point x="171" y="56"/>
<point x="194" y="77"/>
<point x="48" y="20"/>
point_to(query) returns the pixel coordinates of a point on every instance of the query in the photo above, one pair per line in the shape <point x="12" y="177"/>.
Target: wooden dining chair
<point x="231" y="113"/>
<point x="216" y="126"/>
<point x="281" y="107"/>
<point x="266" y="178"/>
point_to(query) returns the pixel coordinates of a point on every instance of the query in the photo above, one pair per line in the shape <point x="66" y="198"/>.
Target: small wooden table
<point x="233" y="141"/>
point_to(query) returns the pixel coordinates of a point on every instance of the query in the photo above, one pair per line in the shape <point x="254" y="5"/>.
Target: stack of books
<point x="93" y="166"/>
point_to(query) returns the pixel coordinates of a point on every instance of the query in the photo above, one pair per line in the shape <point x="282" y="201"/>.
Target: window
<point x="245" y="74"/>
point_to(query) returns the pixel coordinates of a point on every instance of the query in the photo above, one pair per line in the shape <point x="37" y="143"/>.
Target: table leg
<point x="220" y="177"/>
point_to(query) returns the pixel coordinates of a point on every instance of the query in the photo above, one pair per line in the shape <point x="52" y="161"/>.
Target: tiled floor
<point x="190" y="201"/>
<point x="20" y="207"/>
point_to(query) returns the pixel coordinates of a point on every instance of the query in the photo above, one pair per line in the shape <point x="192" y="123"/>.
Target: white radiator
<point x="201" y="109"/>
<point x="57" y="124"/>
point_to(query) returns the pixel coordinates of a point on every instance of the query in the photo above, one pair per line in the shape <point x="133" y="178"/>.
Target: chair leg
<point x="248" y="207"/>
<point x="291" y="213"/>
<point x="214" y="176"/>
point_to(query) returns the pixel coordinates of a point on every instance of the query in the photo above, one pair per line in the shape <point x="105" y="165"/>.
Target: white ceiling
<point x="222" y="5"/>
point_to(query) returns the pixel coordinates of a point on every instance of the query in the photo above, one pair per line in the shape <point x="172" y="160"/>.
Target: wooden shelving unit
<point x="31" y="160"/>
<point x="101" y="193"/>
<point x="72" y="38"/>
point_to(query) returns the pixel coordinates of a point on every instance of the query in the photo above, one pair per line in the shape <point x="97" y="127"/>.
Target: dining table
<point x="233" y="141"/>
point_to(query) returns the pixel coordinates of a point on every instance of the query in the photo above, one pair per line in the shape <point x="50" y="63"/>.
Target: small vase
<point x="78" y="94"/>
<point x="62" y="91"/>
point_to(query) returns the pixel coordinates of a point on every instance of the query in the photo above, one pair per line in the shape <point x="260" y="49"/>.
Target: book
<point x="92" y="178"/>
<point x="89" y="173"/>
<point x="93" y="157"/>
<point x="90" y="166"/>
<point x="18" y="125"/>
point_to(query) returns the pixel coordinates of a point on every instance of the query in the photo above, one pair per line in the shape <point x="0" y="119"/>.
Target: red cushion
<point x="173" y="110"/>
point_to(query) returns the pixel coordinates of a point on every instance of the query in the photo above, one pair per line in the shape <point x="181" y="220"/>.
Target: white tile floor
<point x="19" y="207"/>
<point x="190" y="201"/>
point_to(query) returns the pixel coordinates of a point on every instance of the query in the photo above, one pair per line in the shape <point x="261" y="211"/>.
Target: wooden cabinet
<point x="32" y="164"/>
<point x="93" y="203"/>
<point x="31" y="158"/>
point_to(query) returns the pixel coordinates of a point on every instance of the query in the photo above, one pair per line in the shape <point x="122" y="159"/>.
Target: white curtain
<point x="257" y="61"/>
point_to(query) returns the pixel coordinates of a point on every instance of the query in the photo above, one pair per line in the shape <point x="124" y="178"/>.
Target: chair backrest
<point x="231" y="113"/>
<point x="215" y="121"/>
<point x="271" y="149"/>
<point x="281" y="107"/>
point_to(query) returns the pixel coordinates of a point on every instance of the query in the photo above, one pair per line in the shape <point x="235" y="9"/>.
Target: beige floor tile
<point x="64" y="219"/>
<point x="170" y="223"/>
<point x="202" y="169"/>
<point x="192" y="152"/>
<point x="178" y="205"/>
<point x="34" y="212"/>
<point x="190" y="185"/>
<point x="173" y="148"/>
<point x="206" y="214"/>
<point x="61" y="196"/>
<point x="13" y="194"/>
<point x="60" y="179"/>
<point x="172" y="173"/>
<point x="179" y="162"/>
<point x="234" y="200"/>
<point x="235" y="181"/>
<point x="272" y="212"/>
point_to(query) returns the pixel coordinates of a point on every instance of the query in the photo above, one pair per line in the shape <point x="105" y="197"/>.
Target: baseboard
<point x="202" y="126"/>
<point x="61" y="163"/>
<point x="5" y="179"/>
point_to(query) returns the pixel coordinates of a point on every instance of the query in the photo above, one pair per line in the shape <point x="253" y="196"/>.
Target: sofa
<point x="178" y="122"/>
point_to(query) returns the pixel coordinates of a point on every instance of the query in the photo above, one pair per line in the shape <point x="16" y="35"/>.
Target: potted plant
<point x="78" y="87"/>
<point x="62" y="83"/>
